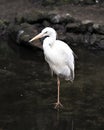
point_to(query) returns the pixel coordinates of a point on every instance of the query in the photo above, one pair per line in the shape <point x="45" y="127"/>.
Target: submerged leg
<point x="58" y="104"/>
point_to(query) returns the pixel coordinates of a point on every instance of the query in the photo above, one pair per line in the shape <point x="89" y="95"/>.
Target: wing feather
<point x="68" y="56"/>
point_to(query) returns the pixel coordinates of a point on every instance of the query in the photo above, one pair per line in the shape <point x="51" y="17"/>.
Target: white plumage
<point x="60" y="59"/>
<point x="58" y="55"/>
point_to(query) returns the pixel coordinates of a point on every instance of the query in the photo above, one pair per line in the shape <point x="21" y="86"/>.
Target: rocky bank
<point x="72" y="26"/>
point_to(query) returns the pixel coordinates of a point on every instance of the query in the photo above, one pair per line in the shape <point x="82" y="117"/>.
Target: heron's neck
<point x="49" y="41"/>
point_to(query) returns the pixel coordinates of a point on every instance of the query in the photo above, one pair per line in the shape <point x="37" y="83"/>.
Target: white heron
<point x="59" y="56"/>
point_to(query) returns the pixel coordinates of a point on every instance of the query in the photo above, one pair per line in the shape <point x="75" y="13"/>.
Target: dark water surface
<point x="27" y="92"/>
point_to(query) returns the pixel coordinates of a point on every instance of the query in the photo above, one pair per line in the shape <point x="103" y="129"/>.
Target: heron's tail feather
<point x="71" y="77"/>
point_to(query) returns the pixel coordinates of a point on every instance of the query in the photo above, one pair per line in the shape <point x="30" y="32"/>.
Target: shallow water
<point x="27" y="91"/>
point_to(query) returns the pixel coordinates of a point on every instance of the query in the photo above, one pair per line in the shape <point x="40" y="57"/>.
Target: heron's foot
<point x="58" y="105"/>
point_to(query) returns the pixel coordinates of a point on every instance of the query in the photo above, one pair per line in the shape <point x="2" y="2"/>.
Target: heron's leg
<point x="58" y="104"/>
<point x="58" y="91"/>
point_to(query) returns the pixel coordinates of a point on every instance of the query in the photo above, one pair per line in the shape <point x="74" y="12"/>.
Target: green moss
<point x="3" y="25"/>
<point x="31" y="18"/>
<point x="3" y="22"/>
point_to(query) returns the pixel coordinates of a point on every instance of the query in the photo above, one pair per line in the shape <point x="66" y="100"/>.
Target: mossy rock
<point x="3" y="24"/>
<point x="21" y="34"/>
<point x="31" y="17"/>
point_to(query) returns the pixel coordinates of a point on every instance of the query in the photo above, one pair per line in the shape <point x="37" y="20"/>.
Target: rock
<point x="61" y="18"/>
<point x="74" y="39"/>
<point x="41" y="16"/>
<point x="88" y="2"/>
<point x="60" y="31"/>
<point x="86" y="26"/>
<point x="80" y="27"/>
<point x="55" y="18"/>
<point x="101" y="44"/>
<point x="21" y="34"/>
<point x="31" y="18"/>
<point x="28" y="30"/>
<point x="98" y="28"/>
<point x="46" y="23"/>
<point x="87" y="22"/>
<point x="73" y="27"/>
<point x="13" y="31"/>
<point x="86" y="39"/>
<point x="3" y="26"/>
<point x="69" y="29"/>
<point x="76" y="1"/>
<point x="93" y="39"/>
<point x="48" y="2"/>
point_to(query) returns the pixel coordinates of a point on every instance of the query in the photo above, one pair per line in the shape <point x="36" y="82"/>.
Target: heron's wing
<point x="68" y="57"/>
<point x="70" y="62"/>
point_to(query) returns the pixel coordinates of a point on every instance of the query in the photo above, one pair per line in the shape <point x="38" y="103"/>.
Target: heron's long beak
<point x="40" y="35"/>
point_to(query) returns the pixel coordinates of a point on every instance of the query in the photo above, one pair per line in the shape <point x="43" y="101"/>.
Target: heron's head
<point x="47" y="32"/>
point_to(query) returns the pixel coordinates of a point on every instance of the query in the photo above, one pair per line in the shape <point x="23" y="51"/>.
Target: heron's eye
<point x="46" y="32"/>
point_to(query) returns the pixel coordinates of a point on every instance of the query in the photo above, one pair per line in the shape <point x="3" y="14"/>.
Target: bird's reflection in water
<point x="63" y="123"/>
